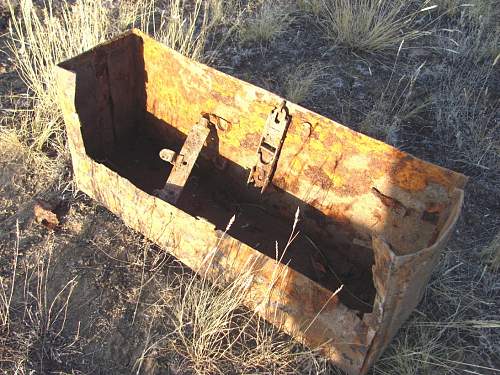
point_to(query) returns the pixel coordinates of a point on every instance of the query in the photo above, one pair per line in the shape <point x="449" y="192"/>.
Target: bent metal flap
<point x="176" y="148"/>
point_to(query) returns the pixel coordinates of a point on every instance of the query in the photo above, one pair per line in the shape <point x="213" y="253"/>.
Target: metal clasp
<point x="269" y="148"/>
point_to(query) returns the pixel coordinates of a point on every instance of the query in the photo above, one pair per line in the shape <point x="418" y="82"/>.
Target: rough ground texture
<point x="94" y="296"/>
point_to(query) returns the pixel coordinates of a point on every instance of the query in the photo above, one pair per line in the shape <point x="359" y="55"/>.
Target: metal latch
<point x="183" y="162"/>
<point x="269" y="148"/>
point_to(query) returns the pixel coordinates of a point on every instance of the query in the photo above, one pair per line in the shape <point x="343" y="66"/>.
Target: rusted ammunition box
<point x="176" y="148"/>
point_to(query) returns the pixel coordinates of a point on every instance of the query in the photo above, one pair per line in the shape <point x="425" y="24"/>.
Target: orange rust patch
<point x="435" y="207"/>
<point x="318" y="176"/>
<point x="251" y="140"/>
<point x="405" y="175"/>
<point x="414" y="175"/>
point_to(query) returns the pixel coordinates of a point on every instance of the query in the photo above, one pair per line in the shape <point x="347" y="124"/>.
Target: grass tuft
<point x="491" y="254"/>
<point x="33" y="315"/>
<point x="395" y="108"/>
<point x="466" y="120"/>
<point x="177" y="25"/>
<point x="204" y="320"/>
<point x="38" y="40"/>
<point x="313" y="7"/>
<point x="305" y="81"/>
<point x="473" y="10"/>
<point x="368" y="25"/>
<point x="208" y="329"/>
<point x="265" y="23"/>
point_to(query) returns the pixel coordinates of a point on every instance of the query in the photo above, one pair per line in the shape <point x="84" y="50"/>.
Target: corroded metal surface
<point x="269" y="149"/>
<point x="184" y="162"/>
<point x="386" y="211"/>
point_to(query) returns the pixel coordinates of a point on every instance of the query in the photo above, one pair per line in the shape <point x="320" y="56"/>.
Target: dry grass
<point x="304" y="82"/>
<point x="368" y="25"/>
<point x="474" y="9"/>
<point x="451" y="7"/>
<point x="265" y="21"/>
<point x="208" y="329"/>
<point x="491" y="254"/>
<point x="396" y="108"/>
<point x="213" y="333"/>
<point x="206" y="318"/>
<point x="225" y="11"/>
<point x="471" y="42"/>
<point x="41" y="39"/>
<point x="418" y="350"/>
<point x="466" y="121"/>
<point x="25" y="174"/>
<point x="177" y="25"/>
<point x="33" y="308"/>
<point x="465" y="109"/>
<point x="33" y="315"/>
<point x="180" y="24"/>
<point x="313" y="7"/>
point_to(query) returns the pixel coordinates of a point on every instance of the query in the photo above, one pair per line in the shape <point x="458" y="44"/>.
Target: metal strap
<point x="183" y="162"/>
<point x="269" y="148"/>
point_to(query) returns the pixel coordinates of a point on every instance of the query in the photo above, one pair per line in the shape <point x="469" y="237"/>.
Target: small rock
<point x="44" y="215"/>
<point x="338" y="82"/>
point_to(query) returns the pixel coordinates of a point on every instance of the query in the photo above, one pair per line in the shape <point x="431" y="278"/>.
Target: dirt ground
<point x="112" y="287"/>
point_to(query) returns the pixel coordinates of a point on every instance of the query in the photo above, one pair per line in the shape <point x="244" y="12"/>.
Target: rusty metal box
<point x="176" y="148"/>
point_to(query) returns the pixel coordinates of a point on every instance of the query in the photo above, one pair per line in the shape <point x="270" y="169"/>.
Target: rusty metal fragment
<point x="168" y="155"/>
<point x="44" y="214"/>
<point x="373" y="218"/>
<point x="183" y="162"/>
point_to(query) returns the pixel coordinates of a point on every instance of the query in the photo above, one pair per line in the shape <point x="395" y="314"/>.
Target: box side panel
<point x="110" y="96"/>
<point x="400" y="282"/>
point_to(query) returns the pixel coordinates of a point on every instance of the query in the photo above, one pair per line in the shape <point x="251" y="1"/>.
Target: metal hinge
<point x="269" y="148"/>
